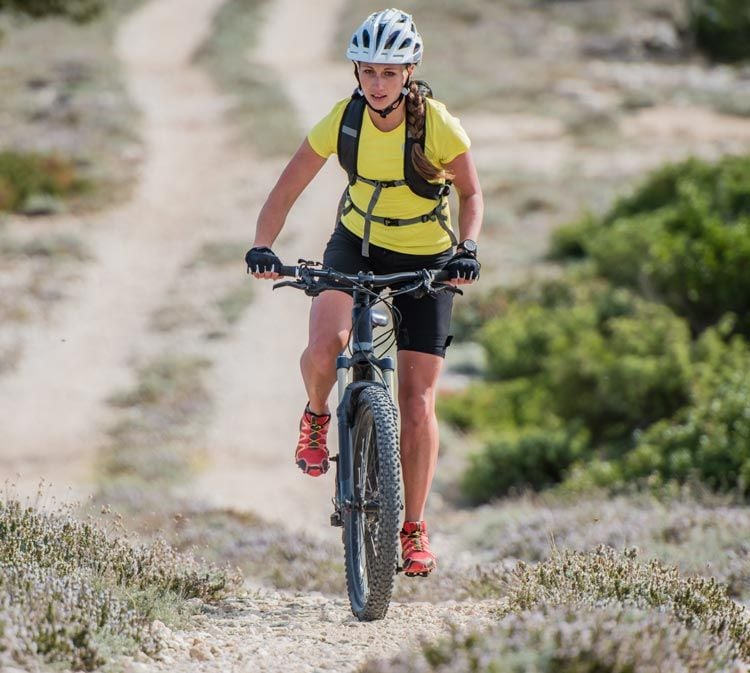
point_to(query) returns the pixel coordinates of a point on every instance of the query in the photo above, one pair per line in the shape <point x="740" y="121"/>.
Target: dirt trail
<point x="257" y="383"/>
<point x="273" y="632"/>
<point x="51" y="408"/>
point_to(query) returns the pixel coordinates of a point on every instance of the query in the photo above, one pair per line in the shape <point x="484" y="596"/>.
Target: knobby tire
<point x="371" y="541"/>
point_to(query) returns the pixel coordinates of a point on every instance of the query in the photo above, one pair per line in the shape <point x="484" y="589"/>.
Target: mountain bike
<point x="367" y="501"/>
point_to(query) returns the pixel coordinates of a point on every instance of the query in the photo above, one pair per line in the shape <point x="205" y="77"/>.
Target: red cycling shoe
<point x="418" y="559"/>
<point x="311" y="455"/>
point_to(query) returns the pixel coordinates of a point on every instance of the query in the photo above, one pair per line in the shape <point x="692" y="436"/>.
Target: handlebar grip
<point x="291" y="271"/>
<point x="441" y="276"/>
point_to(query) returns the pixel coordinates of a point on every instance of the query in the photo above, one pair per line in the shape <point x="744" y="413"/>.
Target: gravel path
<point x="273" y="632"/>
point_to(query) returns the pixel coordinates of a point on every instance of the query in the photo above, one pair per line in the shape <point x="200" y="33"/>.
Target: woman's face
<point x="382" y="83"/>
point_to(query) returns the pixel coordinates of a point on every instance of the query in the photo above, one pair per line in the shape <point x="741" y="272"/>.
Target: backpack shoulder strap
<point x="349" y="132"/>
<point x="416" y="182"/>
<point x="424" y="88"/>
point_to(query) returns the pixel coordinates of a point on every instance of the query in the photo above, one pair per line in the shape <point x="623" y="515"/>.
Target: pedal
<point x="334" y="459"/>
<point x="336" y="520"/>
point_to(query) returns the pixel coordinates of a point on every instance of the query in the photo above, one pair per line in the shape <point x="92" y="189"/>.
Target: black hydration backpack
<point x="347" y="150"/>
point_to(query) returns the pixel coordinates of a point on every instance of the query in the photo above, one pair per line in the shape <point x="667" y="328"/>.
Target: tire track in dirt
<point x="52" y="411"/>
<point x="256" y="381"/>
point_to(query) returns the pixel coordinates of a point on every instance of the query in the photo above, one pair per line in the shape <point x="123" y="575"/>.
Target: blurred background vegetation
<point x="77" y="10"/>
<point x="631" y="365"/>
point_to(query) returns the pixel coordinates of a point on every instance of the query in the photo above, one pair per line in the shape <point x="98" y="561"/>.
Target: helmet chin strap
<point x="387" y="110"/>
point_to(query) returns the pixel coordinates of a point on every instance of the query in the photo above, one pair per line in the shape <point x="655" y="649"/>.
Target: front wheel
<point x="371" y="521"/>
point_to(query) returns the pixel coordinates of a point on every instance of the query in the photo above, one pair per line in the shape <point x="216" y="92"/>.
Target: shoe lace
<point x="417" y="541"/>
<point x="313" y="430"/>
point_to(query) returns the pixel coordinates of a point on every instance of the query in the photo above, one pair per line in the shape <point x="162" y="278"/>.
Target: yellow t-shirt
<point x="381" y="157"/>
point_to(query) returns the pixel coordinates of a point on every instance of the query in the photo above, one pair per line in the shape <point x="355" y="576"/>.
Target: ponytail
<point x="415" y="124"/>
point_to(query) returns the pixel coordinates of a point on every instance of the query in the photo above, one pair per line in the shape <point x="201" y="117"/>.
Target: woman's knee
<point x="322" y="350"/>
<point x="416" y="407"/>
<point x="329" y="327"/>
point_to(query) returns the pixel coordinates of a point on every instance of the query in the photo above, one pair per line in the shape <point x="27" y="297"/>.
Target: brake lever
<point x="290" y="283"/>
<point x="447" y="287"/>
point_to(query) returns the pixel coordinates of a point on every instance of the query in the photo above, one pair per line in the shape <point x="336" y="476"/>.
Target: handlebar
<point x="315" y="279"/>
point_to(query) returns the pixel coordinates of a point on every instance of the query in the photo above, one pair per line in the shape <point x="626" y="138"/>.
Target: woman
<point x="400" y="149"/>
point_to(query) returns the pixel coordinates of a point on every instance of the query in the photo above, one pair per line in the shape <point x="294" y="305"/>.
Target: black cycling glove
<point x="260" y="260"/>
<point x="463" y="265"/>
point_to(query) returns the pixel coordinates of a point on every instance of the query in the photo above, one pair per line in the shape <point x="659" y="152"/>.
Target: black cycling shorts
<point x="425" y="322"/>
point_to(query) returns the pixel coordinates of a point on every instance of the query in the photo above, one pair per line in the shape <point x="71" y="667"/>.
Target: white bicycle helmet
<point x="389" y="36"/>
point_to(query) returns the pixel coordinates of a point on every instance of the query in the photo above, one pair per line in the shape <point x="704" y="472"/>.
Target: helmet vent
<point x="388" y="37"/>
<point x="379" y="33"/>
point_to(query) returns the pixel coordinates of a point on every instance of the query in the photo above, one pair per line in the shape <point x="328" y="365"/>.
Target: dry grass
<point x="154" y="444"/>
<point x="609" y="639"/>
<point x="34" y="270"/>
<point x="70" y="100"/>
<point x="210" y="295"/>
<point x="72" y="592"/>
<point x="595" y="612"/>
<point x="267" y="553"/>
<point x="263" y="116"/>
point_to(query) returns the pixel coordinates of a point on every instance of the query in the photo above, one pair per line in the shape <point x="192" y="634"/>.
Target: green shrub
<point x="567" y="241"/>
<point x="682" y="238"/>
<point x="536" y="459"/>
<point x="518" y="343"/>
<point x="77" y="10"/>
<point x="590" y="357"/>
<point x="475" y="311"/>
<point x="488" y="407"/>
<point x="631" y="371"/>
<point x="709" y="440"/>
<point x="604" y="356"/>
<point x="721" y="28"/>
<point x="538" y="317"/>
<point x="26" y="176"/>
<point x="642" y="345"/>
<point x="705" y="441"/>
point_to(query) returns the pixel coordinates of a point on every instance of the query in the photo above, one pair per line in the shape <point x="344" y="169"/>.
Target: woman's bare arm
<point x="300" y="170"/>
<point x="470" y="201"/>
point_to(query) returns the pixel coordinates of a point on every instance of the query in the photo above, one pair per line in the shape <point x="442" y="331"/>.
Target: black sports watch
<point x="468" y="246"/>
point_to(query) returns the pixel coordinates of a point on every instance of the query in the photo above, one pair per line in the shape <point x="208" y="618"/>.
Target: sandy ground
<point x="257" y="383"/>
<point x="52" y="409"/>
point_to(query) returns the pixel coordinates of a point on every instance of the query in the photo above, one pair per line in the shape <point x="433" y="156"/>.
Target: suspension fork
<point x="362" y="360"/>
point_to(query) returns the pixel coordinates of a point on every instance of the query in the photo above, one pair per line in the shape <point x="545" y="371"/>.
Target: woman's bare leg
<point x="417" y="387"/>
<point x="330" y="322"/>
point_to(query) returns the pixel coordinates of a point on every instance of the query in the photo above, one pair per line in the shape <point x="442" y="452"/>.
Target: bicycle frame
<point x="363" y="365"/>
<point x="363" y="368"/>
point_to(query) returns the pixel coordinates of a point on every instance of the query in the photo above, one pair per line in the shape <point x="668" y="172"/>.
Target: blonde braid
<point x="415" y="121"/>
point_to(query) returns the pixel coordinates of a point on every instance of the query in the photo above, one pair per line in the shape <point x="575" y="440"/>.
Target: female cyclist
<point x="401" y="150"/>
